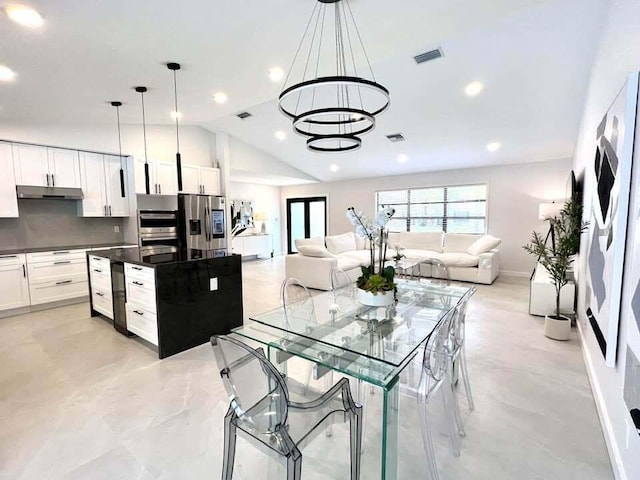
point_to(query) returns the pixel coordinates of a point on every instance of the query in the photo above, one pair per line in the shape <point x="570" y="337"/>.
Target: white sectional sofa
<point x="470" y="258"/>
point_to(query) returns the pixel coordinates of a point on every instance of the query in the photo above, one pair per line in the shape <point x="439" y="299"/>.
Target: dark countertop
<point x="142" y="257"/>
<point x="13" y="251"/>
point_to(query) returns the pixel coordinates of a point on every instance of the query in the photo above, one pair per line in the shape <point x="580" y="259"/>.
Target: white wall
<point x="515" y="191"/>
<point x="618" y="56"/>
<point x="264" y="198"/>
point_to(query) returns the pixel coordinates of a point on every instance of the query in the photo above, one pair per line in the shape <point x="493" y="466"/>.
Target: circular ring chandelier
<point x="328" y="100"/>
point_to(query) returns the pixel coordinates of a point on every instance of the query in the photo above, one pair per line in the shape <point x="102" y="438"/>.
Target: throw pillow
<point x="483" y="244"/>
<point x="341" y="243"/>
<point x="317" y="241"/>
<point x="314" y="251"/>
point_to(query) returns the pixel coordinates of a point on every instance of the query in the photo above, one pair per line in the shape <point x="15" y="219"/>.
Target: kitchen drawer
<point x="55" y="255"/>
<point x="141" y="294"/>
<point x="50" y="271"/>
<point x="102" y="302"/>
<point x="100" y="279"/>
<point x="142" y="322"/>
<point x="145" y="275"/>
<point x="12" y="259"/>
<point x="99" y="263"/>
<point x="59" y="290"/>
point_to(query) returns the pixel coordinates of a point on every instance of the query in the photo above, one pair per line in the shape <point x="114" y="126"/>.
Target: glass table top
<point x="335" y="330"/>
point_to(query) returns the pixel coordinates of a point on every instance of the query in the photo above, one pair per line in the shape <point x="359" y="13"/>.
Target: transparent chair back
<point x="343" y="289"/>
<point x="436" y="271"/>
<point x="296" y="300"/>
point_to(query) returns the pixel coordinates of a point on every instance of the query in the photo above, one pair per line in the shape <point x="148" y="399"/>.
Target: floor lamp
<point x="548" y="211"/>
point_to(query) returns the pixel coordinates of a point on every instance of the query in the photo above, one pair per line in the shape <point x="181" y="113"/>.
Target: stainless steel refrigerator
<point x="202" y="222"/>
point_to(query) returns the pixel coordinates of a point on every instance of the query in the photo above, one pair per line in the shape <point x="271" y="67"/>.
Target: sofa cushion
<point x="458" y="259"/>
<point x="483" y="245"/>
<point x="314" y="251"/>
<point x="341" y="243"/>
<point x="458" y="242"/>
<point x="317" y="241"/>
<point x="364" y="256"/>
<point x="416" y="254"/>
<point x="361" y="242"/>
<point x="347" y="263"/>
<point x="418" y="240"/>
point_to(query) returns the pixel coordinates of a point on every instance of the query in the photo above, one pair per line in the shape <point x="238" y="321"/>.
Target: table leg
<point x="390" y="423"/>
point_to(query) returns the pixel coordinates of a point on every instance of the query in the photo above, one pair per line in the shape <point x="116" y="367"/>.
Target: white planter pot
<point x="557" y="329"/>
<point x="380" y="300"/>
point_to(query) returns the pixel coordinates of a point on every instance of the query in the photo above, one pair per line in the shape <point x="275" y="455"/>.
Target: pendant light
<point x="118" y="105"/>
<point x="141" y="91"/>
<point x="326" y="96"/>
<point x="174" y="67"/>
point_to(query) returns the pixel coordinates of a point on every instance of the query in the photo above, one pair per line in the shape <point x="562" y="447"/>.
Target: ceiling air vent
<point x="428" y="56"/>
<point x="396" y="137"/>
<point x="243" y="115"/>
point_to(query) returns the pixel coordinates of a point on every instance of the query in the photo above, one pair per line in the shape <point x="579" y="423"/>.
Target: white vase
<point x="557" y="328"/>
<point x="381" y="299"/>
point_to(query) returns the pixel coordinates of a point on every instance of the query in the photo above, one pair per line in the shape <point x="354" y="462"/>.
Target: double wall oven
<point x="157" y="228"/>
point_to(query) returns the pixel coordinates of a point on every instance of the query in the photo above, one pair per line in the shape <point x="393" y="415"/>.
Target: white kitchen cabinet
<point x="191" y="179"/>
<point x="8" y="197"/>
<point x="46" y="167"/>
<point x="101" y="290"/>
<point x="210" y="180"/>
<point x="64" y="168"/>
<point x="57" y="275"/>
<point x="167" y="178"/>
<point x="14" y="286"/>
<point x="101" y="186"/>
<point x="31" y="165"/>
<point x="141" y="302"/>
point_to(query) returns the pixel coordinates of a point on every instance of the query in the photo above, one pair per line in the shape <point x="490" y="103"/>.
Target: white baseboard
<point x="511" y="273"/>
<point x="603" y="414"/>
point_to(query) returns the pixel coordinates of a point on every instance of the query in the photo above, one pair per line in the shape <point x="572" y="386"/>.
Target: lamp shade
<point x="260" y="216"/>
<point x="552" y="209"/>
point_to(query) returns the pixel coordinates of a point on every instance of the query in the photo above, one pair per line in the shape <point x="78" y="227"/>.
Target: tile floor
<point x="80" y="401"/>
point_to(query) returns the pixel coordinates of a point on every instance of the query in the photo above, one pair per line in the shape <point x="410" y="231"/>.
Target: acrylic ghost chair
<point x="261" y="411"/>
<point x="433" y="269"/>
<point x="435" y="377"/>
<point x="458" y="354"/>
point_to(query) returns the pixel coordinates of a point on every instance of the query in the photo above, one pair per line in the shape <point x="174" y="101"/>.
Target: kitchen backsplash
<point x="44" y="223"/>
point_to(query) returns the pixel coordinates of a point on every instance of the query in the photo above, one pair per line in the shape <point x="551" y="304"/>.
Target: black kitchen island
<point x="174" y="299"/>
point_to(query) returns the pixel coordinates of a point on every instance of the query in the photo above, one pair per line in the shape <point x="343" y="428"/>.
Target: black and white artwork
<point x="608" y="206"/>
<point x="632" y="387"/>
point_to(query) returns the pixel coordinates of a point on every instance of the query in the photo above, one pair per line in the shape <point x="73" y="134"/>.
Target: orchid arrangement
<point x="376" y="277"/>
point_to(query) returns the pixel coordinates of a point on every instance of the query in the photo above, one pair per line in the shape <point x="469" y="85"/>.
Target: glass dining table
<point x="370" y="344"/>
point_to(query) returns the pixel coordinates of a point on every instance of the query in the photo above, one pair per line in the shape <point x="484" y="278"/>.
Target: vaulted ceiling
<point x="533" y="56"/>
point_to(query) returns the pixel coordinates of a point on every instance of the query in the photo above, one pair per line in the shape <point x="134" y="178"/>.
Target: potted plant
<point x="557" y="259"/>
<point x="376" y="286"/>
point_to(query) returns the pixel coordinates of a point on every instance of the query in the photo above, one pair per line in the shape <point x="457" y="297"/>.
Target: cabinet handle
<point x="9" y="256"/>
<point x="63" y="282"/>
<point x="136" y="268"/>
<point x="47" y="179"/>
<point x="53" y="180"/>
<point x="97" y="270"/>
<point x="139" y="312"/>
<point x="160" y="188"/>
<point x="105" y="210"/>
<point x="139" y="283"/>
<point x="109" y="210"/>
<point x="100" y="294"/>
<point x="61" y="252"/>
<point x="24" y="271"/>
<point x="62" y="263"/>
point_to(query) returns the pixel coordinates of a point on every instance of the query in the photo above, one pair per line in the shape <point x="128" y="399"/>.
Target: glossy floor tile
<point x="80" y="401"/>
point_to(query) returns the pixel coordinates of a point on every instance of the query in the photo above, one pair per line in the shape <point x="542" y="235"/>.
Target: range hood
<point x="59" y="193"/>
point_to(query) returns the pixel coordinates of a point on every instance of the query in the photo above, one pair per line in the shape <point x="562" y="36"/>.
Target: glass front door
<point x="306" y="218"/>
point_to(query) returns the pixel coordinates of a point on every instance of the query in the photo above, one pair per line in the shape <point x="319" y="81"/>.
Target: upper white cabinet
<point x="46" y="167"/>
<point x="210" y="180"/>
<point x="163" y="177"/>
<point x="191" y="179"/>
<point x="101" y="186"/>
<point x="8" y="198"/>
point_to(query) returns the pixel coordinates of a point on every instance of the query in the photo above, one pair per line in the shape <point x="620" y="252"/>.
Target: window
<point x="454" y="209"/>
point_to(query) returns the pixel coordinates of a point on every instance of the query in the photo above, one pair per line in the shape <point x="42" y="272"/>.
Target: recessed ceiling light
<point x="220" y="97"/>
<point x="6" y="74"/>
<point x="494" y="146"/>
<point x="334" y="167"/>
<point x="176" y="115"/>
<point x="276" y="74"/>
<point x="402" y="158"/>
<point x="473" y="89"/>
<point x="281" y="135"/>
<point x="25" y="16"/>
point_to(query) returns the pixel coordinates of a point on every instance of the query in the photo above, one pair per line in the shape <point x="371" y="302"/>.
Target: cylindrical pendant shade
<point x="549" y="210"/>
